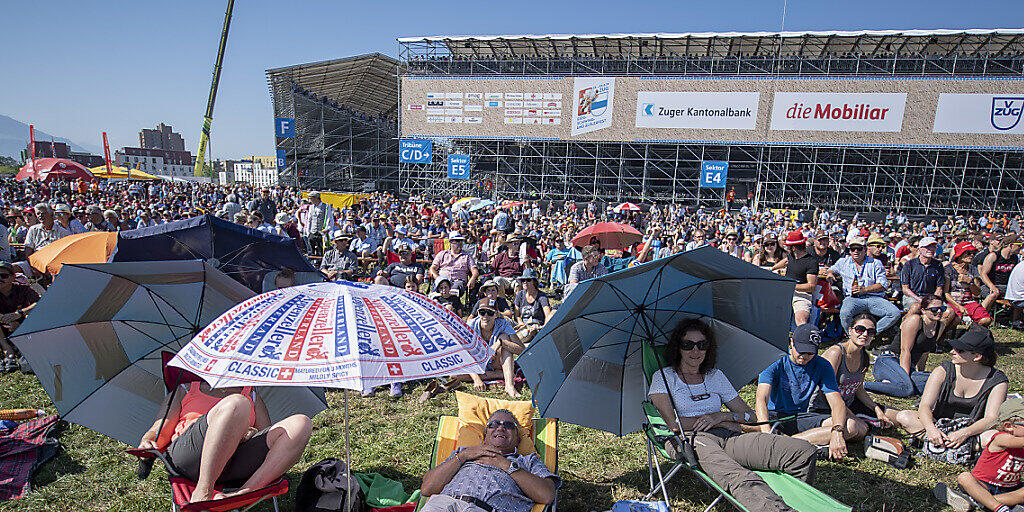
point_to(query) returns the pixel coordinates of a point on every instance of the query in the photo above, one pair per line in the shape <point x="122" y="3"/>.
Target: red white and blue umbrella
<point x="339" y="335"/>
<point x="626" y="207"/>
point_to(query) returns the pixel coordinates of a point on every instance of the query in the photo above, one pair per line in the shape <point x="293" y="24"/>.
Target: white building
<point x="157" y="161"/>
<point x="258" y="171"/>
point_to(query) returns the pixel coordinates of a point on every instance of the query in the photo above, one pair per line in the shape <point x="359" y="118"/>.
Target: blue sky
<point x="120" y="66"/>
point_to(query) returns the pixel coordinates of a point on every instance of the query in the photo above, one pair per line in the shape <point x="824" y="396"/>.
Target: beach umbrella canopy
<point x="243" y="253"/>
<point x="510" y="204"/>
<point x="48" y="169"/>
<point x="481" y="205"/>
<point x="89" y="247"/>
<point x="337" y="334"/>
<point x="611" y="235"/>
<point x="95" y="340"/>
<point x="590" y="351"/>
<point x="465" y="202"/>
<point x="626" y="207"/>
<point x="121" y="173"/>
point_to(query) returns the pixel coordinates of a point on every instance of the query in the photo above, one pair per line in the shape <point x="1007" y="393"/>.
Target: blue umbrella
<point x="481" y="205"/>
<point x="585" y="366"/>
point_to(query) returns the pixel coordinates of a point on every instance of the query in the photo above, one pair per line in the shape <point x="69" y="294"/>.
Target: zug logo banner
<point x="1006" y="111"/>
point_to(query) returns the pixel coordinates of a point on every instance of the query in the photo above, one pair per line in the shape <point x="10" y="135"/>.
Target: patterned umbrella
<point x="590" y="351"/>
<point x="626" y="207"/>
<point x="339" y="335"/>
<point x="95" y="340"/>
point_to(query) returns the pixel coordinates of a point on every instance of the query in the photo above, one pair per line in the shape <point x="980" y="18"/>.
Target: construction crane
<point x="204" y="138"/>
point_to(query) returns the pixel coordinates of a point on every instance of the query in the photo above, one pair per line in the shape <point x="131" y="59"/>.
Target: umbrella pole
<point x="348" y="462"/>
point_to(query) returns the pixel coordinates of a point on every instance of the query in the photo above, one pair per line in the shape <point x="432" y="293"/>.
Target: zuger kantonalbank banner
<point x="919" y="112"/>
<point x="707" y="110"/>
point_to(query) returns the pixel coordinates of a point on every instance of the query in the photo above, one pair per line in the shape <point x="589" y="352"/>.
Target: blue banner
<point x="713" y="173"/>
<point x="284" y="127"/>
<point x="281" y="163"/>
<point x="458" y="167"/>
<point x="415" y="151"/>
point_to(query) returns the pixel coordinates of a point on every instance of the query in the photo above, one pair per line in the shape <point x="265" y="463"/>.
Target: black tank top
<point x="1000" y="273"/>
<point x="923" y="344"/>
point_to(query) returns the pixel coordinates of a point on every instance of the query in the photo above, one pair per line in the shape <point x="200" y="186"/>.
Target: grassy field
<point x="393" y="438"/>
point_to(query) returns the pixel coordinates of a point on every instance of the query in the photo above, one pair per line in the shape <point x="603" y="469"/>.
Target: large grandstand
<point x="946" y="146"/>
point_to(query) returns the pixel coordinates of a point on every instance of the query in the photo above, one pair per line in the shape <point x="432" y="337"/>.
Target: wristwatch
<point x="512" y="467"/>
<point x="837" y="428"/>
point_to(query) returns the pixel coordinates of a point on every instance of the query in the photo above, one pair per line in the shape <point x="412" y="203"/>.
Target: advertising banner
<point x="979" y="113"/>
<point x="415" y="151"/>
<point x="838" y="112"/>
<point x="593" y="99"/>
<point x="706" y="110"/>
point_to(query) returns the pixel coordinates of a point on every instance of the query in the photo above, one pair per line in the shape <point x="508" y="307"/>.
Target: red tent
<point x="48" y="169"/>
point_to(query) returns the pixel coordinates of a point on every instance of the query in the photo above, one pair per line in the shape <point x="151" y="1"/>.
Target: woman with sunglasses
<point x="850" y="361"/>
<point x="899" y="368"/>
<point x="770" y="252"/>
<point x="689" y="392"/>
<point x="501" y="335"/>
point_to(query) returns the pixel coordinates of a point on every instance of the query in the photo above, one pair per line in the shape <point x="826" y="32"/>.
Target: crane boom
<point x="204" y="137"/>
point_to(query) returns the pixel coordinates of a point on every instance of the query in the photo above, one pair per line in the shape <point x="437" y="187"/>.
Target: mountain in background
<point x="14" y="138"/>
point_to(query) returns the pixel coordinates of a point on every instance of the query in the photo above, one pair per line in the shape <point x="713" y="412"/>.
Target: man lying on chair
<point x="491" y="476"/>
<point x="224" y="437"/>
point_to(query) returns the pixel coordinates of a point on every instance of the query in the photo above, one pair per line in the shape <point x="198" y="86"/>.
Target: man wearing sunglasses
<point x="491" y="476"/>
<point x="786" y="387"/>
<point x="16" y="300"/>
<point x="864" y="286"/>
<point x="922" y="275"/>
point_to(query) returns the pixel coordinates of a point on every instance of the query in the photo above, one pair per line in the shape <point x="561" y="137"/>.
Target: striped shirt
<point x="494" y="485"/>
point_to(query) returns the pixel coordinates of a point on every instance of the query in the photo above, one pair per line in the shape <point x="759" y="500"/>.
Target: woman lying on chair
<point x="698" y="391"/>
<point x="224" y="437"/>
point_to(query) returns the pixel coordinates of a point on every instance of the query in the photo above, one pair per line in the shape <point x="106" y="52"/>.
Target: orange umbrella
<point x="91" y="247"/>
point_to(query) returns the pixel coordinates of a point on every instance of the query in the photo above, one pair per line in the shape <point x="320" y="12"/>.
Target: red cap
<point x="796" y="238"/>
<point x="963" y="247"/>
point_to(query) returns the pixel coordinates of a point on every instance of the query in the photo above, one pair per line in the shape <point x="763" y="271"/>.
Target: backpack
<point x="322" y="489"/>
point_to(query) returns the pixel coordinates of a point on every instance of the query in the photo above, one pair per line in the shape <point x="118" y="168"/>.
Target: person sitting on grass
<point x="16" y="300"/>
<point x="994" y="483"/>
<point x="491" y="476"/>
<point x="223" y="437"/>
<point x="499" y="333"/>
<point x="690" y="392"/>
<point x="444" y="295"/>
<point x="489" y="290"/>
<point x="785" y="389"/>
<point x="967" y="386"/>
<point x="899" y="368"/>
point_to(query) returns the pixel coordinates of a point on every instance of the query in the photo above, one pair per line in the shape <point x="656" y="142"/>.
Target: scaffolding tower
<point x="919" y="181"/>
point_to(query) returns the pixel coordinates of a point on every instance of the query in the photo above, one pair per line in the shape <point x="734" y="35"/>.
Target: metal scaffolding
<point x="915" y="180"/>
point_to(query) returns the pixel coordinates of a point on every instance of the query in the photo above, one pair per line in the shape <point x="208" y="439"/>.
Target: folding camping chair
<point x="545" y="440"/>
<point x="182" y="487"/>
<point x="796" y="493"/>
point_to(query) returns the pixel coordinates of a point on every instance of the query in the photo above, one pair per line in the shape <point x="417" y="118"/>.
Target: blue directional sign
<point x="458" y="167"/>
<point x="713" y="173"/>
<point x="415" y="151"/>
<point x="281" y="159"/>
<point x="284" y="127"/>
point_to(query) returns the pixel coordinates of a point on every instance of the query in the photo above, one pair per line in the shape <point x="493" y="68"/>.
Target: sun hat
<point x="796" y="238"/>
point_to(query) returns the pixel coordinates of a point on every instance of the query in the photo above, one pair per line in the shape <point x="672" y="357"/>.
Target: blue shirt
<point x="793" y="385"/>
<point x="870" y="273"/>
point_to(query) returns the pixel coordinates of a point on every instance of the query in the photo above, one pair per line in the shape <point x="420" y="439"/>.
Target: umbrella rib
<point x="21" y="335"/>
<point x="158" y="310"/>
<point x="202" y="297"/>
<point x="140" y="285"/>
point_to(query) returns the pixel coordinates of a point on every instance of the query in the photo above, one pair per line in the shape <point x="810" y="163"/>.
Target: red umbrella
<point x="611" y="235"/>
<point x="48" y="169"/>
<point x="626" y="207"/>
<point x="510" y="204"/>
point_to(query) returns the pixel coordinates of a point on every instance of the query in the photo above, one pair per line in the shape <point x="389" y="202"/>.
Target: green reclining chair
<point x="796" y="493"/>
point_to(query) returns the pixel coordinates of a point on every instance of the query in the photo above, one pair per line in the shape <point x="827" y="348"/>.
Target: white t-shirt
<point x="1015" y="286"/>
<point x="716" y="383"/>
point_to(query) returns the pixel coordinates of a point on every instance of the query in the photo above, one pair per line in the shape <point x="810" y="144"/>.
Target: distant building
<point x="163" y="137"/>
<point x="258" y="171"/>
<point x="46" y="149"/>
<point x="157" y="161"/>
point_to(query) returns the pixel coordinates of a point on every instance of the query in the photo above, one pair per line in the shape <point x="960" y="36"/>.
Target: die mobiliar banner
<point x="840" y="112"/>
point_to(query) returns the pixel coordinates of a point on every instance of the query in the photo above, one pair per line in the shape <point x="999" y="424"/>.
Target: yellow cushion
<point x="474" y="412"/>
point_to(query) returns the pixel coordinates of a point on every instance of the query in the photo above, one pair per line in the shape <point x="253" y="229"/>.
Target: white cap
<point x="926" y="241"/>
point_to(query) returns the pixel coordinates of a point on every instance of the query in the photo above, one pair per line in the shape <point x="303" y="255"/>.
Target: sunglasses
<point x="507" y="425"/>
<point x="860" y="329"/>
<point x="936" y="309"/>
<point x="856" y="247"/>
<point x="486" y="312"/>
<point x="702" y="345"/>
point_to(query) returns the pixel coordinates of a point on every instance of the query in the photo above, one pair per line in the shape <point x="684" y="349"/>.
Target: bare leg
<point x="801" y="317"/>
<point x="227" y="422"/>
<point x="910" y="421"/>
<point x="507" y="372"/>
<point x="286" y="441"/>
<point x="820" y="436"/>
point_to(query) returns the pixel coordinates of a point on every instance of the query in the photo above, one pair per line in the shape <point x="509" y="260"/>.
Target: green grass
<point x="393" y="438"/>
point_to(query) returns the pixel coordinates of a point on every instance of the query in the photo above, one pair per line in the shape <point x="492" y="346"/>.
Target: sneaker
<point x="396" y="389"/>
<point x="368" y="392"/>
<point x="10" y="364"/>
<point x="954" y="498"/>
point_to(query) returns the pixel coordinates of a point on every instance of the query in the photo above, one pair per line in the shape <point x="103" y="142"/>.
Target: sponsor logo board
<point x="474" y="108"/>
<point x="451" y="103"/>
<point x="837" y="111"/>
<point x="491" y="104"/>
<point x="416" y="107"/>
<point x="453" y="95"/>
<point x="552" y="95"/>
<point x="474" y="95"/>
<point x="979" y="113"/>
<point x="697" y="110"/>
<point x="474" y="120"/>
<point x="513" y="120"/>
<point x="492" y="95"/>
<point x="513" y="95"/>
<point x="593" y="99"/>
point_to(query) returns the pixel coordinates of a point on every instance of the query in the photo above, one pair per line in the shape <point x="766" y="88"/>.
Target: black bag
<point x="322" y="489"/>
<point x="965" y="455"/>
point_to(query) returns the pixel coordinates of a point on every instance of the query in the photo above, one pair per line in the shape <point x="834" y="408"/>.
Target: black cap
<point x="487" y="303"/>
<point x="977" y="339"/>
<point x="806" y="339"/>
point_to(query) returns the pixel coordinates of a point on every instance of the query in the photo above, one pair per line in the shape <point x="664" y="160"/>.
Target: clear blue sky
<point x="77" y="68"/>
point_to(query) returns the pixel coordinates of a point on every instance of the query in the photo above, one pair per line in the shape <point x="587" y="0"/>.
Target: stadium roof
<point x="366" y="83"/>
<point x="722" y="44"/>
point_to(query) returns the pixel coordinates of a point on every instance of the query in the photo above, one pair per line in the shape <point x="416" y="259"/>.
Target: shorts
<point x="974" y="310"/>
<point x="801" y="301"/>
<point x="185" y="454"/>
<point x="803" y="422"/>
<point x="994" y="489"/>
